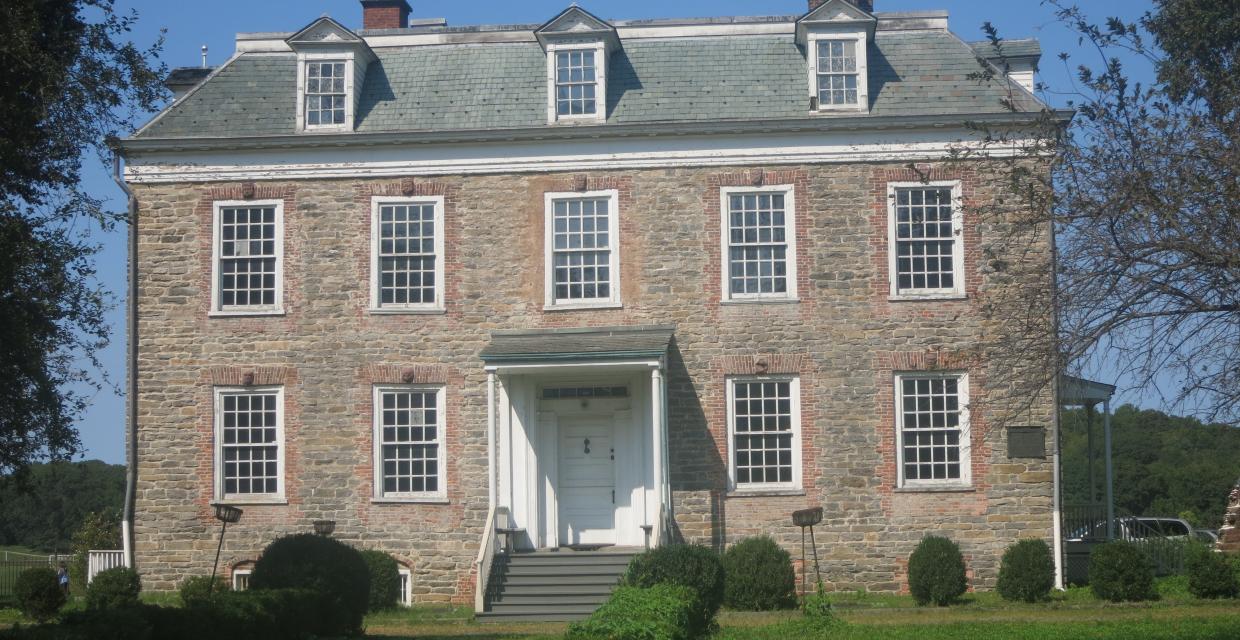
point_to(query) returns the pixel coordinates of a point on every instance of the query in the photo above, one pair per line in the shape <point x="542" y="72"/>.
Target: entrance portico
<point x="578" y="435"/>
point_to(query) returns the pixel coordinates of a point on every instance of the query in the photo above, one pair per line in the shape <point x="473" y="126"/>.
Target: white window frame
<point x="794" y="389"/>
<point x="600" y="76"/>
<point x="441" y="494"/>
<point x="958" y="290"/>
<point x="376" y="305"/>
<point x="613" y="209"/>
<point x="965" y="480"/>
<point x="405" y="599"/>
<point x="217" y="449"/>
<point x="217" y="245"/>
<point x="790" y="228"/>
<point x="237" y="573"/>
<point x="303" y="59"/>
<point x="863" y="85"/>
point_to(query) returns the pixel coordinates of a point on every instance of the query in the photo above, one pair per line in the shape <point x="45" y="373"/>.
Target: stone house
<point x="484" y="292"/>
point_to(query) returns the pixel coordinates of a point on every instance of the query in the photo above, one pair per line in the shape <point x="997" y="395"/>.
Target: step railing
<point x="486" y="558"/>
<point x="97" y="561"/>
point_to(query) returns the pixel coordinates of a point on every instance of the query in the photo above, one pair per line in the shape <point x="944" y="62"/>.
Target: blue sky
<point x="190" y="25"/>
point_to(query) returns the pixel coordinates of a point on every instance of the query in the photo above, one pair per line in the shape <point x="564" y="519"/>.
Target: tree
<point x="45" y="508"/>
<point x="1144" y="197"/>
<point x="73" y="82"/>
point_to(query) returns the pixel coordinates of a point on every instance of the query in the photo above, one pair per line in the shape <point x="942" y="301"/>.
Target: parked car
<point x="1208" y="536"/>
<point x="1135" y="528"/>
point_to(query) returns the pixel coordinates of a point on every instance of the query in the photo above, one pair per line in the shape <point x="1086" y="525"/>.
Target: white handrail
<point x="97" y="561"/>
<point x="482" y="566"/>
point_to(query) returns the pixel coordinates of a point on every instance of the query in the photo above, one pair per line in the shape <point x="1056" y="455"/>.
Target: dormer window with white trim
<point x="325" y="93"/>
<point x="577" y="44"/>
<point x="835" y="37"/>
<point x="331" y="65"/>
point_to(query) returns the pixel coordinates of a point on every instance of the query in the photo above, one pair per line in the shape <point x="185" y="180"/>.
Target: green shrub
<point x="1210" y="575"/>
<point x="660" y="612"/>
<point x="113" y="589"/>
<point x="384" y="580"/>
<point x="319" y="563"/>
<point x="1119" y="571"/>
<point x="817" y="606"/>
<point x="196" y="589"/>
<point x="38" y="593"/>
<point x="936" y="573"/>
<point x="758" y="576"/>
<point x="1027" y="571"/>
<point x="685" y="565"/>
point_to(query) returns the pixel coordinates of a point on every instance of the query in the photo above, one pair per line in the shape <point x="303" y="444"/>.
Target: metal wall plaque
<point x="1026" y="442"/>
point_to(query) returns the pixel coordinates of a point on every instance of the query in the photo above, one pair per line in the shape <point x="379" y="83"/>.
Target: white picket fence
<point x="97" y="561"/>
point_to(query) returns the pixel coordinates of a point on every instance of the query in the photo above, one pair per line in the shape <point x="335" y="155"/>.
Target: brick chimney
<point x="864" y="5"/>
<point x="385" y="14"/>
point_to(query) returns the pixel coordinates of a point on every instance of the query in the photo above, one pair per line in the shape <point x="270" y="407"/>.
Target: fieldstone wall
<point x="844" y="337"/>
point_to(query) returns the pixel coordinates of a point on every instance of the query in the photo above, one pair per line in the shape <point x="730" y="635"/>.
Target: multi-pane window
<point x="408" y="244"/>
<point x="409" y="441"/>
<point x="763" y="419"/>
<point x="933" y="434"/>
<point x="582" y="249"/>
<point x="406" y="587"/>
<point x="576" y="82"/>
<point x="249" y="435"/>
<point x="759" y="244"/>
<point x="248" y="254"/>
<point x="924" y="225"/>
<point x="241" y="579"/>
<point x="837" y="72"/>
<point x="325" y="93"/>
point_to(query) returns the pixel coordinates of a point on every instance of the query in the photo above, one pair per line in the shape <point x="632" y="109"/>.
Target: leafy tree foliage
<point x="98" y="531"/>
<point x="1163" y="465"/>
<point x="45" y="507"/>
<point x="73" y="82"/>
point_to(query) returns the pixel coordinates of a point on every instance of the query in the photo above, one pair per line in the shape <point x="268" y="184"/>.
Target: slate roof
<point x="502" y="85"/>
<point x="641" y="341"/>
<point x="1010" y="48"/>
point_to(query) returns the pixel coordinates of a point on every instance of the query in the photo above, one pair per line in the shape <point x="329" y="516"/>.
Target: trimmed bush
<point x="38" y="593"/>
<point x="758" y="576"/>
<point x="384" y="580"/>
<point x="1027" y="571"/>
<point x="196" y="589"/>
<point x="1119" y="571"/>
<point x="685" y="565"/>
<point x="318" y="563"/>
<point x="660" y="612"/>
<point x="1210" y="575"/>
<point x="113" y="589"/>
<point x="936" y="573"/>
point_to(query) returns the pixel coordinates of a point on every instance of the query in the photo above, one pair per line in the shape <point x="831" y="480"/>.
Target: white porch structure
<point x="577" y="440"/>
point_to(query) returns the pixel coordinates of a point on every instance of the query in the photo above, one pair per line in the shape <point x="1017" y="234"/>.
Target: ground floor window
<point x="764" y="432"/>
<point x="241" y="579"/>
<point x="409" y="434"/>
<point x="932" y="425"/>
<point x="406" y="586"/>
<point x="249" y="443"/>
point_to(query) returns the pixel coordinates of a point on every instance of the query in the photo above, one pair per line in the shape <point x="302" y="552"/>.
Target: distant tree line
<point x="44" y="509"/>
<point x="1164" y="465"/>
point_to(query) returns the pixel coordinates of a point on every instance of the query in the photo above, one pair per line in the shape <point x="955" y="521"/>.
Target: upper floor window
<point x="407" y="254"/>
<point x="932" y="429"/>
<point x="249" y="443"/>
<point x="925" y="228"/>
<point x="837" y="73"/>
<point x="764" y="432"/>
<point x="582" y="254"/>
<point x="577" y="88"/>
<point x="248" y="258"/>
<point x="409" y="442"/>
<point x="759" y="238"/>
<point x="325" y="93"/>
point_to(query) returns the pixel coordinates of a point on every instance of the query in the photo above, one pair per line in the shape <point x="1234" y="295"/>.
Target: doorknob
<point x="587" y="446"/>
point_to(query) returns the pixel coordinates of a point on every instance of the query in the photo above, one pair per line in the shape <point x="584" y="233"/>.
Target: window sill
<point x="764" y="493"/>
<point x="251" y="502"/>
<point x="585" y="119"/>
<point x="257" y="313"/>
<point x="413" y="311"/>
<point x="839" y="111"/>
<point x="740" y="302"/>
<point x="582" y="307"/>
<point x="947" y="488"/>
<point x="428" y="500"/>
<point x="927" y="297"/>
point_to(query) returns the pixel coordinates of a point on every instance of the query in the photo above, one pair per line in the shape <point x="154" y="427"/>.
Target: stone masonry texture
<point x="844" y="338"/>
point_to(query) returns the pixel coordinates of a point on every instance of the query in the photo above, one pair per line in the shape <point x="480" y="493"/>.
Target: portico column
<point x="656" y="448"/>
<point x="1110" y="490"/>
<point x="491" y="440"/>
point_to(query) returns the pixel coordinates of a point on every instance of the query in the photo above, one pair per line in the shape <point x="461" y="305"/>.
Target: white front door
<point x="587" y="482"/>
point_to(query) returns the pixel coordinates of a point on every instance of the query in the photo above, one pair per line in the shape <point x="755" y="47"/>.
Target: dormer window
<point x="837" y="73"/>
<point x="577" y="44"/>
<point x="326" y="93"/>
<point x="576" y="83"/>
<point x="835" y="36"/>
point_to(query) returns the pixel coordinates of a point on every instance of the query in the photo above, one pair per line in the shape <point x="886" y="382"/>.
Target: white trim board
<point x="572" y="155"/>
